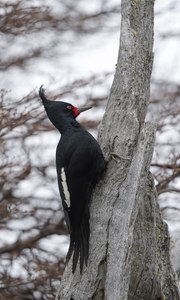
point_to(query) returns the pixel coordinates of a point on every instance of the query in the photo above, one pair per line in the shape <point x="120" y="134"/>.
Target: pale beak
<point x="84" y="108"/>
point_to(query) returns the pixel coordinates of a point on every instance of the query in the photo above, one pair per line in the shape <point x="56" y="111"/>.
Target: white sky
<point x="96" y="54"/>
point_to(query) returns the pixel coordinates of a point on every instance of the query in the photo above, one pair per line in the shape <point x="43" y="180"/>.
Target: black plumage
<point x="80" y="164"/>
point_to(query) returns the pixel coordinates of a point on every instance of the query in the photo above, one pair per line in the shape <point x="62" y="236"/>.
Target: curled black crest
<point x="42" y="93"/>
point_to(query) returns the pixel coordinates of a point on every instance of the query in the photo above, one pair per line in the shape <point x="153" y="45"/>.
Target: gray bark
<point x="129" y="243"/>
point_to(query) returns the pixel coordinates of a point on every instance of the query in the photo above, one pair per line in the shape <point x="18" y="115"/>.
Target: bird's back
<point x="80" y="164"/>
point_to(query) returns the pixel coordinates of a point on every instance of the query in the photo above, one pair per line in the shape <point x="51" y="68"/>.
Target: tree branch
<point x="28" y="243"/>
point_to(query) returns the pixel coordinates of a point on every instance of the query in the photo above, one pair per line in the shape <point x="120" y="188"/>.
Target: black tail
<point x="79" y="244"/>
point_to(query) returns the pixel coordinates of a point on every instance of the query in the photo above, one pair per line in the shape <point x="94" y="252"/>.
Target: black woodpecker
<point x="80" y="165"/>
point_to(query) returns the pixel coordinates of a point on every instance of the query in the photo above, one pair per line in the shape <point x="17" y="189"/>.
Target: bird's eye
<point x="69" y="107"/>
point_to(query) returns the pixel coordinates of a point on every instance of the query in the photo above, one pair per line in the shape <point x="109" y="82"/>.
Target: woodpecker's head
<point x="60" y="112"/>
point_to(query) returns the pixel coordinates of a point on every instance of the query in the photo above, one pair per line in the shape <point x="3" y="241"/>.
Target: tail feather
<point x="70" y="250"/>
<point x="76" y="255"/>
<point x="85" y="242"/>
<point x="79" y="245"/>
<point x="82" y="255"/>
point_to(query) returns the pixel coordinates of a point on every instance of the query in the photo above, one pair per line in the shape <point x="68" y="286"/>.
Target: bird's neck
<point x="69" y="124"/>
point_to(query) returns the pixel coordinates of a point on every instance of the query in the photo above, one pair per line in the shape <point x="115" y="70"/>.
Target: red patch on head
<point x="75" y="111"/>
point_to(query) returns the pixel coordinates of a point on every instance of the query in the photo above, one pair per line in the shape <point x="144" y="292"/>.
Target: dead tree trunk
<point x="129" y="245"/>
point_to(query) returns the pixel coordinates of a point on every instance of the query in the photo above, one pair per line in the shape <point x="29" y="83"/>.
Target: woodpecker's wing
<point x="81" y="172"/>
<point x="80" y="164"/>
<point x="64" y="193"/>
